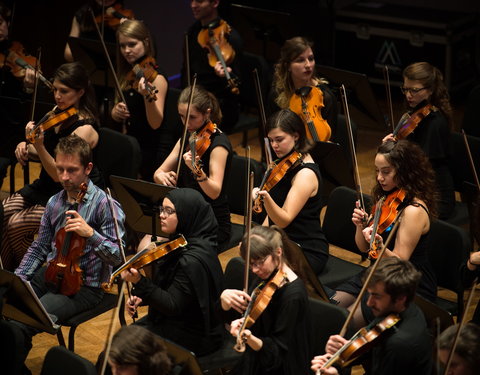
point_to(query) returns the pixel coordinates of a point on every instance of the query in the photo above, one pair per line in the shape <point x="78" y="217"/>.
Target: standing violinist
<point x="187" y="281"/>
<point x="400" y="167"/>
<point x="406" y="347"/>
<point x="143" y="112"/>
<point x="424" y="88"/>
<point x="213" y="79"/>
<point x="23" y="210"/>
<point x="296" y="69"/>
<point x="92" y="222"/>
<point x="279" y="340"/>
<point x="294" y="201"/>
<point x="207" y="173"/>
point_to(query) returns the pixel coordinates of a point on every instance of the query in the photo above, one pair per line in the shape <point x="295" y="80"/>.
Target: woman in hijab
<point x="187" y="281"/>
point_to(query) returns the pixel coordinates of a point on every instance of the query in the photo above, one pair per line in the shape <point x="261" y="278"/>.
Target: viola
<point x="51" y="119"/>
<point x="147" y="68"/>
<point x="63" y="272"/>
<point x="18" y="61"/>
<point x="213" y="38"/>
<point x="307" y="102"/>
<point x="147" y="256"/>
<point x="409" y="122"/>
<point x="361" y="342"/>
<point x="113" y="15"/>
<point x="384" y="214"/>
<point x="274" y="174"/>
<point x="199" y="143"/>
<point x="261" y="297"/>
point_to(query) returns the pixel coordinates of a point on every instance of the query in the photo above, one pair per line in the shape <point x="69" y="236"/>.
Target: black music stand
<point x="140" y="201"/>
<point x="19" y="302"/>
<point x="362" y="103"/>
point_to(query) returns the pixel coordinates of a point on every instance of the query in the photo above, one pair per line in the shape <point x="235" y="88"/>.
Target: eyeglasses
<point x="259" y="262"/>
<point x="412" y="90"/>
<point x="166" y="210"/>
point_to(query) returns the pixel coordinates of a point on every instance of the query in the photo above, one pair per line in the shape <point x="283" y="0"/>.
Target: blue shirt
<point x="101" y="251"/>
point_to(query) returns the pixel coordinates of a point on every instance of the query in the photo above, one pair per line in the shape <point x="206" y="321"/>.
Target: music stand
<point x="20" y="303"/>
<point x="183" y="358"/>
<point x="140" y="201"/>
<point x="361" y="99"/>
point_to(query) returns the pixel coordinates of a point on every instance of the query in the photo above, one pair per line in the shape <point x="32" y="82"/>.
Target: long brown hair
<point x="289" y="122"/>
<point x="202" y="101"/>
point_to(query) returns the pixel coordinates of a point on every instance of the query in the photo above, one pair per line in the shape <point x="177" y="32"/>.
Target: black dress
<point x="187" y="282"/>
<point x="219" y="205"/>
<point x="305" y="228"/>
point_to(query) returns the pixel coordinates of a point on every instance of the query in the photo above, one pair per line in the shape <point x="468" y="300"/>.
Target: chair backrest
<point x="437" y="318"/>
<point x="117" y="154"/>
<point x="249" y="62"/>
<point x="234" y="274"/>
<point x="460" y="166"/>
<point x="184" y="361"/>
<point x="60" y="360"/>
<point x="337" y="223"/>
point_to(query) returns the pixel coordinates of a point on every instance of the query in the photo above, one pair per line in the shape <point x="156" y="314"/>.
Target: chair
<point x="12" y="346"/>
<point x="437" y="318"/>
<point x="60" y="361"/>
<point x="116" y="154"/>
<point x="340" y="231"/>
<point x="449" y="248"/>
<point x="184" y="361"/>
<point x="108" y="302"/>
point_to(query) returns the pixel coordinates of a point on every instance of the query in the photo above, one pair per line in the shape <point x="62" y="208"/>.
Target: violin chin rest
<point x="303" y="91"/>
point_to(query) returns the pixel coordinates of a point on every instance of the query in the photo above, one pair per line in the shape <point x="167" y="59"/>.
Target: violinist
<point x="279" y="340"/>
<point x="212" y="168"/>
<point x="294" y="202"/>
<point x="403" y="166"/>
<point x="425" y="90"/>
<point x="145" y="96"/>
<point x="187" y="281"/>
<point x="406" y="347"/>
<point x="23" y="210"/>
<point x="294" y="70"/>
<point x="92" y="221"/>
<point x="210" y="77"/>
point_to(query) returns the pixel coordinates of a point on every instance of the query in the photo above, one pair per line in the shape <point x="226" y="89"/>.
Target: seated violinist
<point x="187" y="281"/>
<point x="405" y="347"/>
<point x="66" y="223"/>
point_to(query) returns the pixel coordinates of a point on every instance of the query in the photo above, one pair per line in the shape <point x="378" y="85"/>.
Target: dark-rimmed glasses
<point x="167" y="211"/>
<point x="412" y="90"/>
<point x="259" y="263"/>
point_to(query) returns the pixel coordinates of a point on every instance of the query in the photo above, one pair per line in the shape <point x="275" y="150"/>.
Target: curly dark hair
<point x="414" y="172"/>
<point x="291" y="123"/>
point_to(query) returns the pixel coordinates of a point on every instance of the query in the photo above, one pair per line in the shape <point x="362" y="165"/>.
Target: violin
<point x="147" y="256"/>
<point x="409" y="122"/>
<point x="213" y="38"/>
<point x="361" y="342"/>
<point x="63" y="272"/>
<point x="199" y="143"/>
<point x="274" y="174"/>
<point x="147" y="68"/>
<point x="51" y="119"/>
<point x="113" y="15"/>
<point x="18" y="61"/>
<point x="261" y="297"/>
<point x="384" y="216"/>
<point x="307" y="102"/>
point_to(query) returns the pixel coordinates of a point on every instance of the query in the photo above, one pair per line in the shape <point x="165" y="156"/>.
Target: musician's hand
<point x="132" y="304"/>
<point x="234" y="298"/>
<point x="29" y="79"/>
<point x="319" y="361"/>
<point x="219" y="71"/>
<point x="187" y="157"/>
<point x="359" y="216"/>
<point x="389" y="137"/>
<point x="334" y="343"/>
<point x="367" y="234"/>
<point x="131" y="275"/>
<point x="165" y="178"/>
<point x="21" y="153"/>
<point x="120" y="112"/>
<point x="76" y="223"/>
<point x="265" y="195"/>
<point x="235" y="327"/>
<point x="142" y="87"/>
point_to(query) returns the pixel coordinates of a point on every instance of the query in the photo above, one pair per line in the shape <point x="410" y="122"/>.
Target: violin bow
<point x="398" y="219"/>
<point x="472" y="164"/>
<point x="187" y="59"/>
<point x="386" y="77"/>
<point x="263" y="118"/>
<point x="185" y="129"/>
<point x="356" y="174"/>
<point x="248" y="225"/>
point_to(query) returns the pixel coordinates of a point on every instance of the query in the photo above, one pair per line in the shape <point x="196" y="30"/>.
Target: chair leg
<point x="71" y="338"/>
<point x="245" y="138"/>
<point x="12" y="177"/>
<point x="61" y="340"/>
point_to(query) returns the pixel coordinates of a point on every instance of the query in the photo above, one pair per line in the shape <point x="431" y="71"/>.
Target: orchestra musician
<point x="406" y="347"/>
<point x="296" y="69"/>
<point x="144" y="110"/>
<point x="92" y="221"/>
<point x="211" y="78"/>
<point x="187" y="281"/>
<point x="294" y="202"/>
<point x="215" y="161"/>
<point x="23" y="210"/>
<point x="399" y="166"/>
<point x="279" y="340"/>
<point x="423" y="85"/>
